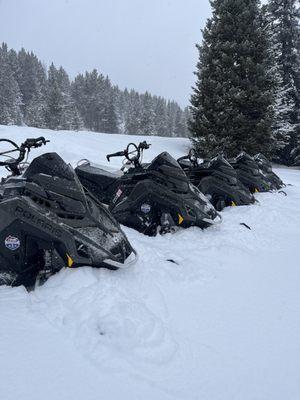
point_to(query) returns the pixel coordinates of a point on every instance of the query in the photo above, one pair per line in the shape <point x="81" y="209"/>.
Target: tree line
<point x="34" y="96"/>
<point x="247" y="92"/>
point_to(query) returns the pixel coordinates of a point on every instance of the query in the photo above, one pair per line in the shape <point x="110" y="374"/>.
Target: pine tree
<point x="31" y="78"/>
<point x="133" y="114"/>
<point x="180" y="123"/>
<point x="283" y="17"/>
<point x="54" y="100"/>
<point x="61" y="112"/>
<point x="160" y="110"/>
<point x="232" y="100"/>
<point x="187" y="118"/>
<point x="172" y="108"/>
<point x="147" y="121"/>
<point x="10" y="95"/>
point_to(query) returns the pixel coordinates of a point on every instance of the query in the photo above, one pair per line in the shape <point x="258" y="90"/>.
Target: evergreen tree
<point x="180" y="123"/>
<point x="283" y="18"/>
<point x="187" y="118"/>
<point x="133" y="114"/>
<point x="61" y="112"/>
<point x="32" y="80"/>
<point x="232" y="100"/>
<point x="10" y="95"/>
<point x="172" y="108"/>
<point x="147" y="121"/>
<point x="110" y="118"/>
<point x="160" y="118"/>
<point x="121" y="107"/>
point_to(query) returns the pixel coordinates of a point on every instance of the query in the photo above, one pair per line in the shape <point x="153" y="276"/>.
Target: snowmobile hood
<point x="264" y="164"/>
<point x="249" y="173"/>
<point x="218" y="161"/>
<point x="175" y="177"/>
<point x="244" y="160"/>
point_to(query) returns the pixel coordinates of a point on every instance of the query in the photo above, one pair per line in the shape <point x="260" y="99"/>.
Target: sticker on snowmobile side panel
<point x="145" y="208"/>
<point x="12" y="243"/>
<point x="118" y="194"/>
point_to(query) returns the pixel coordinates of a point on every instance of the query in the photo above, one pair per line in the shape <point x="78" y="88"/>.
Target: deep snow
<point x="221" y="324"/>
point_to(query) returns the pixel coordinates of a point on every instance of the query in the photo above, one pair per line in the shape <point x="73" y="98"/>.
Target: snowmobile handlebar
<point x="132" y="152"/>
<point x="26" y="146"/>
<point x="192" y="157"/>
<point x="117" y="154"/>
<point x="38" y="142"/>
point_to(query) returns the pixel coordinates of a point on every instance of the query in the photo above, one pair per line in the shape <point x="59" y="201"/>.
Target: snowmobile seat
<point x="99" y="176"/>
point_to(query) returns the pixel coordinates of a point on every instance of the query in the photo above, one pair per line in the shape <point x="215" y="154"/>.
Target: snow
<point x="221" y="323"/>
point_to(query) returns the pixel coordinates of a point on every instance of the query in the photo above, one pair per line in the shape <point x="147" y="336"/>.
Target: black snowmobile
<point x="48" y="221"/>
<point x="249" y="174"/>
<point x="150" y="198"/>
<point x="217" y="179"/>
<point x="265" y="167"/>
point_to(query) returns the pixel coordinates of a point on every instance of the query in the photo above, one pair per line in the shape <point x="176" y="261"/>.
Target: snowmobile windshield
<point x="175" y="177"/>
<point x="49" y="164"/>
<point x="263" y="162"/>
<point x="244" y="156"/>
<point x="164" y="159"/>
<point x="218" y="161"/>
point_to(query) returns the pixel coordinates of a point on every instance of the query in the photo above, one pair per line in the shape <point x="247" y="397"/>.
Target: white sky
<point x="145" y="45"/>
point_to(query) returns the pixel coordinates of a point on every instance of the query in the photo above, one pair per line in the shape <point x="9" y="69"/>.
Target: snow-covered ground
<point x="221" y="324"/>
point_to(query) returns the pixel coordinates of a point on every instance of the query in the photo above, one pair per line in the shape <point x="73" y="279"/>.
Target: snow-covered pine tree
<point x="121" y="101"/>
<point x="160" y="117"/>
<point x="147" y="121"/>
<point x="88" y="92"/>
<point x="133" y="114"/>
<point x="110" y="118"/>
<point x="32" y="79"/>
<point x="54" y="100"/>
<point x="186" y="112"/>
<point x="70" y="119"/>
<point x="283" y="18"/>
<point x="172" y="108"/>
<point x="10" y="95"/>
<point x="61" y="111"/>
<point x="180" y="123"/>
<point x="231" y="104"/>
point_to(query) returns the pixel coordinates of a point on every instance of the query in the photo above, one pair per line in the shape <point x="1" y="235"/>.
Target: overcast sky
<point x="140" y="44"/>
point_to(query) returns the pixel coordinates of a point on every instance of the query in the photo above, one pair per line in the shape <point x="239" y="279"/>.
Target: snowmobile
<point x="266" y="169"/>
<point x="151" y="198"/>
<point x="249" y="174"/>
<point x="217" y="179"/>
<point x="48" y="221"/>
